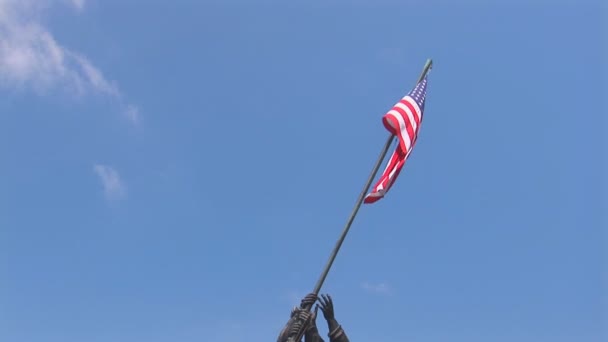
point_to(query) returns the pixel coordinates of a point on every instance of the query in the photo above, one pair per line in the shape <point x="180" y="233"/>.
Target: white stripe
<point x="402" y="129"/>
<point x="392" y="174"/>
<point x="409" y="114"/>
<point x="415" y="105"/>
<point x="380" y="187"/>
<point x="390" y="122"/>
<point x="374" y="194"/>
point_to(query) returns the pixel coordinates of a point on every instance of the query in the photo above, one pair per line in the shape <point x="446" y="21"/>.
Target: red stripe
<point x="408" y="124"/>
<point x="418" y="120"/>
<point x="395" y="164"/>
<point x="413" y="109"/>
<point x="394" y="129"/>
<point x="408" y="127"/>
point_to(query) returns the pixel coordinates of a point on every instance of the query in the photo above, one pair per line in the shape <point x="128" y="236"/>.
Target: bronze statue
<point x="299" y="316"/>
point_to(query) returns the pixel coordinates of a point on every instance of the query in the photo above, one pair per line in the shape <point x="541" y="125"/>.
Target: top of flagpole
<point x="427" y="67"/>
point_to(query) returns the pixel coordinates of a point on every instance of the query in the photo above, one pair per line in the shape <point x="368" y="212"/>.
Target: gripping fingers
<point x="310" y="299"/>
<point x="295" y="328"/>
<point x="305" y="315"/>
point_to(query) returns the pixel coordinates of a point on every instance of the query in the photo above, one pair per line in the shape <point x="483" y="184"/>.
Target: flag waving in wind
<point x="403" y="120"/>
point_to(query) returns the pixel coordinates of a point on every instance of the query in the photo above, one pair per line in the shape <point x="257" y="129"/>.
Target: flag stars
<point x="418" y="94"/>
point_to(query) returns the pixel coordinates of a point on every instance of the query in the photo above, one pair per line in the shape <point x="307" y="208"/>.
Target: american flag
<point x="403" y="120"/>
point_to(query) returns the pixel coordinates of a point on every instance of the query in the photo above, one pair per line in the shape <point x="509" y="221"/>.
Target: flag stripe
<point x="405" y="132"/>
<point x="410" y="112"/>
<point x="415" y="107"/>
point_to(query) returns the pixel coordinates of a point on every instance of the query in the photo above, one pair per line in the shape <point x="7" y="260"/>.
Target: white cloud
<point x="132" y="113"/>
<point x="294" y="297"/>
<point x="113" y="186"/>
<point x="78" y="4"/>
<point x="380" y="288"/>
<point x="32" y="58"/>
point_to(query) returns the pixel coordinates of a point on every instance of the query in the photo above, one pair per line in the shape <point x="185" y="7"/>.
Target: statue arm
<point x="312" y="333"/>
<point x="336" y="333"/>
<point x="298" y="319"/>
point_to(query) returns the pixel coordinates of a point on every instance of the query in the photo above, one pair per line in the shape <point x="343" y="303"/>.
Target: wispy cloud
<point x="294" y="296"/>
<point x="379" y="288"/>
<point x="113" y="186"/>
<point x="78" y="4"/>
<point x="132" y="113"/>
<point x="32" y="58"/>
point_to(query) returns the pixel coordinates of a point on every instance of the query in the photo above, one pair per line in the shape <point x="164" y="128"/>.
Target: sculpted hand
<point x="302" y="320"/>
<point x="327" y="307"/>
<point x="308" y="300"/>
<point x="336" y="333"/>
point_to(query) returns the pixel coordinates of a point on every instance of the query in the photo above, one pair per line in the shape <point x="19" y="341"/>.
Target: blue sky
<point x="180" y="171"/>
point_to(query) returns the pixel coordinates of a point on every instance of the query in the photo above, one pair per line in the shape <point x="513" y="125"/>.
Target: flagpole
<point x="351" y="218"/>
<point x="427" y="66"/>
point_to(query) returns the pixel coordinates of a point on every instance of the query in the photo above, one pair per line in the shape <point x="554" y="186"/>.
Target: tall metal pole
<point x="351" y="218"/>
